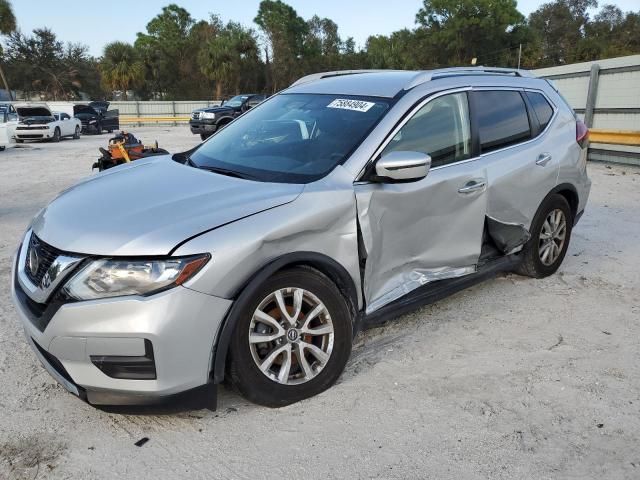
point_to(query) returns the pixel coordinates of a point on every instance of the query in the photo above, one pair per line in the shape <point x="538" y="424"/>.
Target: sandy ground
<point x="514" y="378"/>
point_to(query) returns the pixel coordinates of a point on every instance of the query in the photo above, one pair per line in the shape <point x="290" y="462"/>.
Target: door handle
<point x="473" y="186"/>
<point x="543" y="159"/>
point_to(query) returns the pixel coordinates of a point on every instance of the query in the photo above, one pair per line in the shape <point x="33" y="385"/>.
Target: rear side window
<point x="541" y="107"/>
<point x="502" y="119"/>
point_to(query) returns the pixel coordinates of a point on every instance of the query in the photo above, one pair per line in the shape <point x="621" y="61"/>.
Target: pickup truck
<point x="206" y="121"/>
<point x="96" y="117"/>
<point x="38" y="122"/>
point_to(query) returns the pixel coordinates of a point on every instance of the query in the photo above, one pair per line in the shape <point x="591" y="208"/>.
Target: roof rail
<point x="429" y="75"/>
<point x="336" y="73"/>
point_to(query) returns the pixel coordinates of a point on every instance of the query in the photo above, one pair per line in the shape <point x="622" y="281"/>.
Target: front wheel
<point x="76" y="134"/>
<point x="293" y="339"/>
<point x="56" y="135"/>
<point x="550" y="235"/>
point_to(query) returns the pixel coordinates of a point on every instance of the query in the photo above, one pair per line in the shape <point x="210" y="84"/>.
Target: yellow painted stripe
<point x="615" y="137"/>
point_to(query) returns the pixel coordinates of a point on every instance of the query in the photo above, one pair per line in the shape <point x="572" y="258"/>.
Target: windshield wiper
<point x="224" y="171"/>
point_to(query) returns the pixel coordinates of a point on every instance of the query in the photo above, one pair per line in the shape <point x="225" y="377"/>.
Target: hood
<point x="84" y="110"/>
<point x="99" y="105"/>
<point x="220" y="109"/>
<point x="38" y="111"/>
<point x="150" y="206"/>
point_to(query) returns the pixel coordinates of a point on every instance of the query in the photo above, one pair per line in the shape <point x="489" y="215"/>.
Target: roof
<point x="386" y="83"/>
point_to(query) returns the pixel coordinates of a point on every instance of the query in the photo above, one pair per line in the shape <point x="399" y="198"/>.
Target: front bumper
<point x="199" y="127"/>
<point x="180" y="323"/>
<point x="35" y="134"/>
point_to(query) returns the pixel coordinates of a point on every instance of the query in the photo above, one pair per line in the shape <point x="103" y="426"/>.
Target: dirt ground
<point x="514" y="378"/>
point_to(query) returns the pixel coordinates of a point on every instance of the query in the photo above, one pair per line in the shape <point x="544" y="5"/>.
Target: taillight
<point x="582" y="133"/>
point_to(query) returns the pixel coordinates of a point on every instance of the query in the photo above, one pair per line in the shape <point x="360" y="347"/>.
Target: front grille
<point x="29" y="136"/>
<point x="40" y="255"/>
<point x="195" y="116"/>
<point x="39" y="127"/>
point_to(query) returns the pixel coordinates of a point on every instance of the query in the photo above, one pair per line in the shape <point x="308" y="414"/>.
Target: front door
<point x="431" y="229"/>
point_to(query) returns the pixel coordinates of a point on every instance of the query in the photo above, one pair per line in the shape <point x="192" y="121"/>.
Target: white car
<point x="8" y="123"/>
<point x="38" y="122"/>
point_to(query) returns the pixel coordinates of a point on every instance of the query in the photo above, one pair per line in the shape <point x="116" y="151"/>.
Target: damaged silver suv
<point x="347" y="199"/>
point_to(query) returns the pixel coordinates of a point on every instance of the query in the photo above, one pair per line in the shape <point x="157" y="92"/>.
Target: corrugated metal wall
<point x="616" y="105"/>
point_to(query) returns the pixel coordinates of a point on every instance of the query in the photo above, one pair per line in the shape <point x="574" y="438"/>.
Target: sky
<point x="96" y="23"/>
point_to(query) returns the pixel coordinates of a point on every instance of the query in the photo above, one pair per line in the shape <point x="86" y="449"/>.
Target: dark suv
<point x="206" y="121"/>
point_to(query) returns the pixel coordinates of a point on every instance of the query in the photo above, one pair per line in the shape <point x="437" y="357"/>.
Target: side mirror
<point x="403" y="166"/>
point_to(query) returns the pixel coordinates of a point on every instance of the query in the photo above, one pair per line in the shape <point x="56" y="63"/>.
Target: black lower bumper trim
<point x="128" y="367"/>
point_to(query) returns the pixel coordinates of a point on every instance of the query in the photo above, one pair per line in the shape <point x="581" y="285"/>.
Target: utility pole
<point x="519" y="56"/>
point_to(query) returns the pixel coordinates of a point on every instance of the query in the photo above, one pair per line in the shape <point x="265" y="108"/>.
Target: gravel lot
<point x="514" y="378"/>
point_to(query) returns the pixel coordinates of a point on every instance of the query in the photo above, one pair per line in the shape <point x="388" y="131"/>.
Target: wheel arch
<point x="224" y="121"/>
<point x="570" y="193"/>
<point x="317" y="261"/>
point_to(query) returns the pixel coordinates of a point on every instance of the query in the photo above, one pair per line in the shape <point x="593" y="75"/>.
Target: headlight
<point x="92" y="121"/>
<point x="114" y="277"/>
<point x="207" y="115"/>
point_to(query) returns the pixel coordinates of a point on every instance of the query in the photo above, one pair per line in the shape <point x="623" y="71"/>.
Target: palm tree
<point x="7" y="25"/>
<point x="121" y="68"/>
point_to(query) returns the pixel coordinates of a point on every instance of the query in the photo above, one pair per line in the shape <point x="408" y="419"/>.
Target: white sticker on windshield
<point x="347" y="104"/>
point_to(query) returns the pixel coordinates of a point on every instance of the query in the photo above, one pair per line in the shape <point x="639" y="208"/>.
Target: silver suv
<point x="347" y="199"/>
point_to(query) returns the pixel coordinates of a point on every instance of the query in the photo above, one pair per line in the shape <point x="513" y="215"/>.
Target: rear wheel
<point x="550" y="234"/>
<point x="293" y="339"/>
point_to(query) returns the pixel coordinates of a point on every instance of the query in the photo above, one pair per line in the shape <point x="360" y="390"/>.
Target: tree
<point x="231" y="59"/>
<point x="322" y="45"/>
<point x="403" y="49"/>
<point x="121" y="68"/>
<point x="285" y="32"/>
<point x="7" y="26"/>
<point x="44" y="65"/>
<point x="460" y="30"/>
<point x="170" y="49"/>
<point x="559" y="27"/>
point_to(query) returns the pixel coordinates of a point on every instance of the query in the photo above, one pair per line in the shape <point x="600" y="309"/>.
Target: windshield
<point x="235" y="101"/>
<point x="292" y="138"/>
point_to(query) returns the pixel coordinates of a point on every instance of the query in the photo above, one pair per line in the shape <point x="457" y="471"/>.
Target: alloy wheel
<point x="552" y="237"/>
<point x="291" y="336"/>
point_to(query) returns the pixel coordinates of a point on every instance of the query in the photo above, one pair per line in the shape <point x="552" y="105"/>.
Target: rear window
<point x="541" y="107"/>
<point x="502" y="119"/>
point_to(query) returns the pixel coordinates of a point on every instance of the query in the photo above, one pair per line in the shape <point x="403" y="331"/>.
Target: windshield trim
<point x="295" y="178"/>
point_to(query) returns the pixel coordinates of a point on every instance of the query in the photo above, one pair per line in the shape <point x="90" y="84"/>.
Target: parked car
<point x="38" y="122"/>
<point x="343" y="201"/>
<point x="96" y="117"/>
<point x="8" y="123"/>
<point x="206" y="121"/>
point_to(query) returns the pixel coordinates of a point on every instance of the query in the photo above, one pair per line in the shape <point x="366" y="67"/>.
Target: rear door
<point x="431" y="229"/>
<point x="517" y="147"/>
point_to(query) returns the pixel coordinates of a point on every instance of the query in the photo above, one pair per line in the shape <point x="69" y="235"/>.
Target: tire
<point x="110" y="130"/>
<point x="76" y="134"/>
<point x="538" y="259"/>
<point x="300" y="383"/>
<point x="56" y="135"/>
<point x="99" y="129"/>
<point x="204" y="136"/>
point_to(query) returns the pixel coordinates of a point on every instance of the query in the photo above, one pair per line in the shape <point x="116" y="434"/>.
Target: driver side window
<point x="440" y="129"/>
